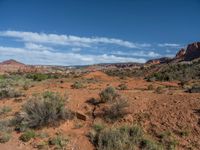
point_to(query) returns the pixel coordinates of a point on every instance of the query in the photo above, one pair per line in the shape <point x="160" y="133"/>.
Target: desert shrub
<point x="121" y="138"/>
<point x="98" y="127"/>
<point x="108" y="94"/>
<point x="159" y="90"/>
<point x="4" y="137"/>
<point x="194" y="89"/>
<point x="168" y="140"/>
<point x="7" y="91"/>
<point x="122" y="87"/>
<point x="42" y="110"/>
<point x="37" y="76"/>
<point x="27" y="135"/>
<point x="5" y="109"/>
<point x="42" y="145"/>
<point x="77" y="85"/>
<point x="5" y="126"/>
<point x="147" y="144"/>
<point x="116" y="110"/>
<point x="150" y="87"/>
<point x="26" y="85"/>
<point x="59" y="141"/>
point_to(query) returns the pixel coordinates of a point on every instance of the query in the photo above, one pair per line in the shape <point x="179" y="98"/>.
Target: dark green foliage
<point x="108" y="94"/>
<point x="177" y="71"/>
<point x="37" y="76"/>
<point x="42" y="110"/>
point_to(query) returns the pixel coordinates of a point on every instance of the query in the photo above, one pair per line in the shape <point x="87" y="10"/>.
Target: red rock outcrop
<point x="193" y="51"/>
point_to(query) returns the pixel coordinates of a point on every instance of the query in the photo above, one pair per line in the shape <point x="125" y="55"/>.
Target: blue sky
<point x="79" y="32"/>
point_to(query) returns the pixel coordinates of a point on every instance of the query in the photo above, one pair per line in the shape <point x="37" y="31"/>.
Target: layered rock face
<point x="193" y="51"/>
<point x="180" y="54"/>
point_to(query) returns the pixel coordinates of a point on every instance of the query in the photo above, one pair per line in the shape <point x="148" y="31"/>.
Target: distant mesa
<point x="159" y="60"/>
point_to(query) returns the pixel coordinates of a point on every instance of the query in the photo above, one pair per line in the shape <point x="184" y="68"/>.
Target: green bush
<point x="5" y="109"/>
<point x="116" y="110"/>
<point x="77" y="85"/>
<point x="42" y="110"/>
<point x="98" y="127"/>
<point x="4" y="137"/>
<point x="27" y="135"/>
<point x="59" y="141"/>
<point x="108" y="94"/>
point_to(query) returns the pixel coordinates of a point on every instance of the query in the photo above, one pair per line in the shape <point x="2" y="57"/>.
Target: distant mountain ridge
<point x="12" y="62"/>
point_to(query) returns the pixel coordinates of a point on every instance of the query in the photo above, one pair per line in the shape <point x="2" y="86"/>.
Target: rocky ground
<point x="169" y="112"/>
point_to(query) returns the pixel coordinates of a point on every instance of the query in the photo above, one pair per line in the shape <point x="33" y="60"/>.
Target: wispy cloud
<point x="168" y="45"/>
<point x="150" y="54"/>
<point x="70" y="40"/>
<point x="33" y="46"/>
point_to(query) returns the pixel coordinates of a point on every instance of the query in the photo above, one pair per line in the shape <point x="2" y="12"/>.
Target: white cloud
<point x="138" y="54"/>
<point x="60" y="58"/>
<point x="168" y="45"/>
<point x="70" y="40"/>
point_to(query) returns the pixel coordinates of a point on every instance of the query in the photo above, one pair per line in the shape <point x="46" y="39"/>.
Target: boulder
<point x="81" y="116"/>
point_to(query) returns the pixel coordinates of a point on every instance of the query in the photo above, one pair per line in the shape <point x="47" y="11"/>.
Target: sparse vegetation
<point x="123" y="87"/>
<point x="41" y="110"/>
<point x="77" y="85"/>
<point x="59" y="141"/>
<point x="125" y="137"/>
<point x="27" y="135"/>
<point x="5" y="109"/>
<point x="177" y="71"/>
<point x="4" y="137"/>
